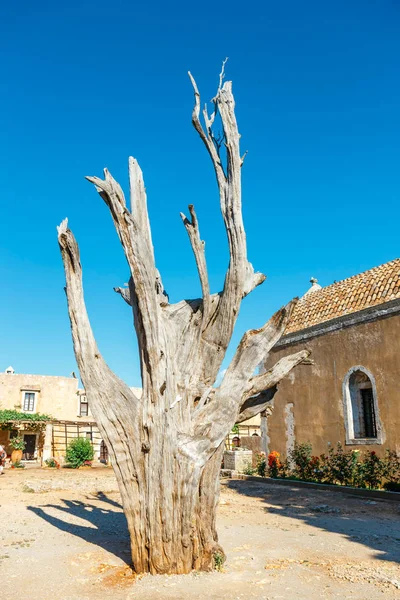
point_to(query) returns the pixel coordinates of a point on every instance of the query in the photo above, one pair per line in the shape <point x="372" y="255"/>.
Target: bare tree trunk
<point x="166" y="447"/>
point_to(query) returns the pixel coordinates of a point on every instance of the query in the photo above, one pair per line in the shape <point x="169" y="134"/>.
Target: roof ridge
<point x="369" y="288"/>
<point x="326" y="287"/>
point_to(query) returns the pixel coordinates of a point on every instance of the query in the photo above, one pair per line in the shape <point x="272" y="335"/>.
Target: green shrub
<point x="219" y="560"/>
<point x="261" y="464"/>
<point x="372" y="471"/>
<point x="391" y="468"/>
<point x="341" y="467"/>
<point x="248" y="469"/>
<point x="317" y="468"/>
<point x="284" y="469"/>
<point x="391" y="486"/>
<point x="301" y="457"/>
<point x="79" y="451"/>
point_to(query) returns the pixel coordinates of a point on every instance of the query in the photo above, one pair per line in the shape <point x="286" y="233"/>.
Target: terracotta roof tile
<point x="373" y="287"/>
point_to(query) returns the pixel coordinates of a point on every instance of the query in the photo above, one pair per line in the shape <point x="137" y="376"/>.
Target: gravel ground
<point x="63" y="535"/>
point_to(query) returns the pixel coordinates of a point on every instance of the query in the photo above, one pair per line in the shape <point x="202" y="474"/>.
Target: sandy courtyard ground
<point x="285" y="543"/>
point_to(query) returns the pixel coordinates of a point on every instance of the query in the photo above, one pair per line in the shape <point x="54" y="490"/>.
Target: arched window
<point x="361" y="408"/>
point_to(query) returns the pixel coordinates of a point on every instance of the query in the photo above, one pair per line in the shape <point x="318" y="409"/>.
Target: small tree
<point x="166" y="447"/>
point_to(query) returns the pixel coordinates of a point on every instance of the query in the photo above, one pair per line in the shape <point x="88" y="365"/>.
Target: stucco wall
<point x="56" y="396"/>
<point x="316" y="391"/>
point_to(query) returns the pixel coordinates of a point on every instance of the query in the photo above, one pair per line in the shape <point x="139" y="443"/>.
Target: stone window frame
<point x="348" y="411"/>
<point x="35" y="399"/>
<point x="82" y="400"/>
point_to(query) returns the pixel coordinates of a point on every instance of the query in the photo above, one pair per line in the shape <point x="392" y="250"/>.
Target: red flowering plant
<point x="274" y="464"/>
<point x="316" y="465"/>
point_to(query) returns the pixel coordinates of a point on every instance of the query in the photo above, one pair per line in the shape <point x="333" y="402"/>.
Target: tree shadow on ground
<point x="372" y="523"/>
<point x="106" y="527"/>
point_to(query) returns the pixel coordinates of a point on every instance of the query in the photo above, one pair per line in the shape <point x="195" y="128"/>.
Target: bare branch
<point x="274" y="375"/>
<point x="198" y="245"/>
<point x="256" y="404"/>
<point x="125" y="294"/>
<point x="90" y="362"/>
<point x="84" y="343"/>
<point x="240" y="278"/>
<point x="222" y="74"/>
<point x="134" y="233"/>
<point x="253" y="347"/>
<point x="205" y="136"/>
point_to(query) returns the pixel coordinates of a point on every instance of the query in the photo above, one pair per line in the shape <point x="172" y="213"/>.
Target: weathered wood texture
<point x="166" y="448"/>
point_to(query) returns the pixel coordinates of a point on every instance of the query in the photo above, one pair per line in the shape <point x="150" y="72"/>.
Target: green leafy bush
<point x="261" y="464"/>
<point x="371" y="471"/>
<point x="341" y="467"/>
<point x="391" y="469"/>
<point x="79" y="451"/>
<point x="249" y="469"/>
<point x="301" y="458"/>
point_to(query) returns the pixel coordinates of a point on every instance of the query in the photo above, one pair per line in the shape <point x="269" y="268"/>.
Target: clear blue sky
<point x="84" y="84"/>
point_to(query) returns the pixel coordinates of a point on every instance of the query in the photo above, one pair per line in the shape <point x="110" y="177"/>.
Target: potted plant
<point x="52" y="463"/>
<point x="18" y="445"/>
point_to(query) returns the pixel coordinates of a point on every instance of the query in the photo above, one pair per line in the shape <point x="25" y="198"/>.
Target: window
<point x="368" y="421"/>
<point x="29" y="402"/>
<point x="361" y="408"/>
<point x="83" y="406"/>
<point x="89" y="435"/>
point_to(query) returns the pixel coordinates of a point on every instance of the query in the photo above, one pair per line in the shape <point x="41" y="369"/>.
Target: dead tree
<point x="166" y="447"/>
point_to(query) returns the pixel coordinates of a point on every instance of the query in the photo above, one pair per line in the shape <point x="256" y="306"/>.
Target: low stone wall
<point x="322" y="487"/>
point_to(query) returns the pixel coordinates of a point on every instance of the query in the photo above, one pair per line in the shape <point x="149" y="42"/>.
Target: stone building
<point x="59" y="397"/>
<point x="350" y="391"/>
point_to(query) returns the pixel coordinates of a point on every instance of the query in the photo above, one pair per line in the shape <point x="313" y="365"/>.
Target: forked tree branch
<point x="133" y="230"/>
<point x="91" y="364"/>
<point x="212" y="418"/>
<point x="255" y="405"/>
<point x="274" y="375"/>
<point x="198" y="245"/>
<point x="256" y="344"/>
<point x="240" y="278"/>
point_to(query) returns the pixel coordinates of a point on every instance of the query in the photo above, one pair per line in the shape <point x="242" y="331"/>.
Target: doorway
<point x="103" y="453"/>
<point x="30" y="446"/>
